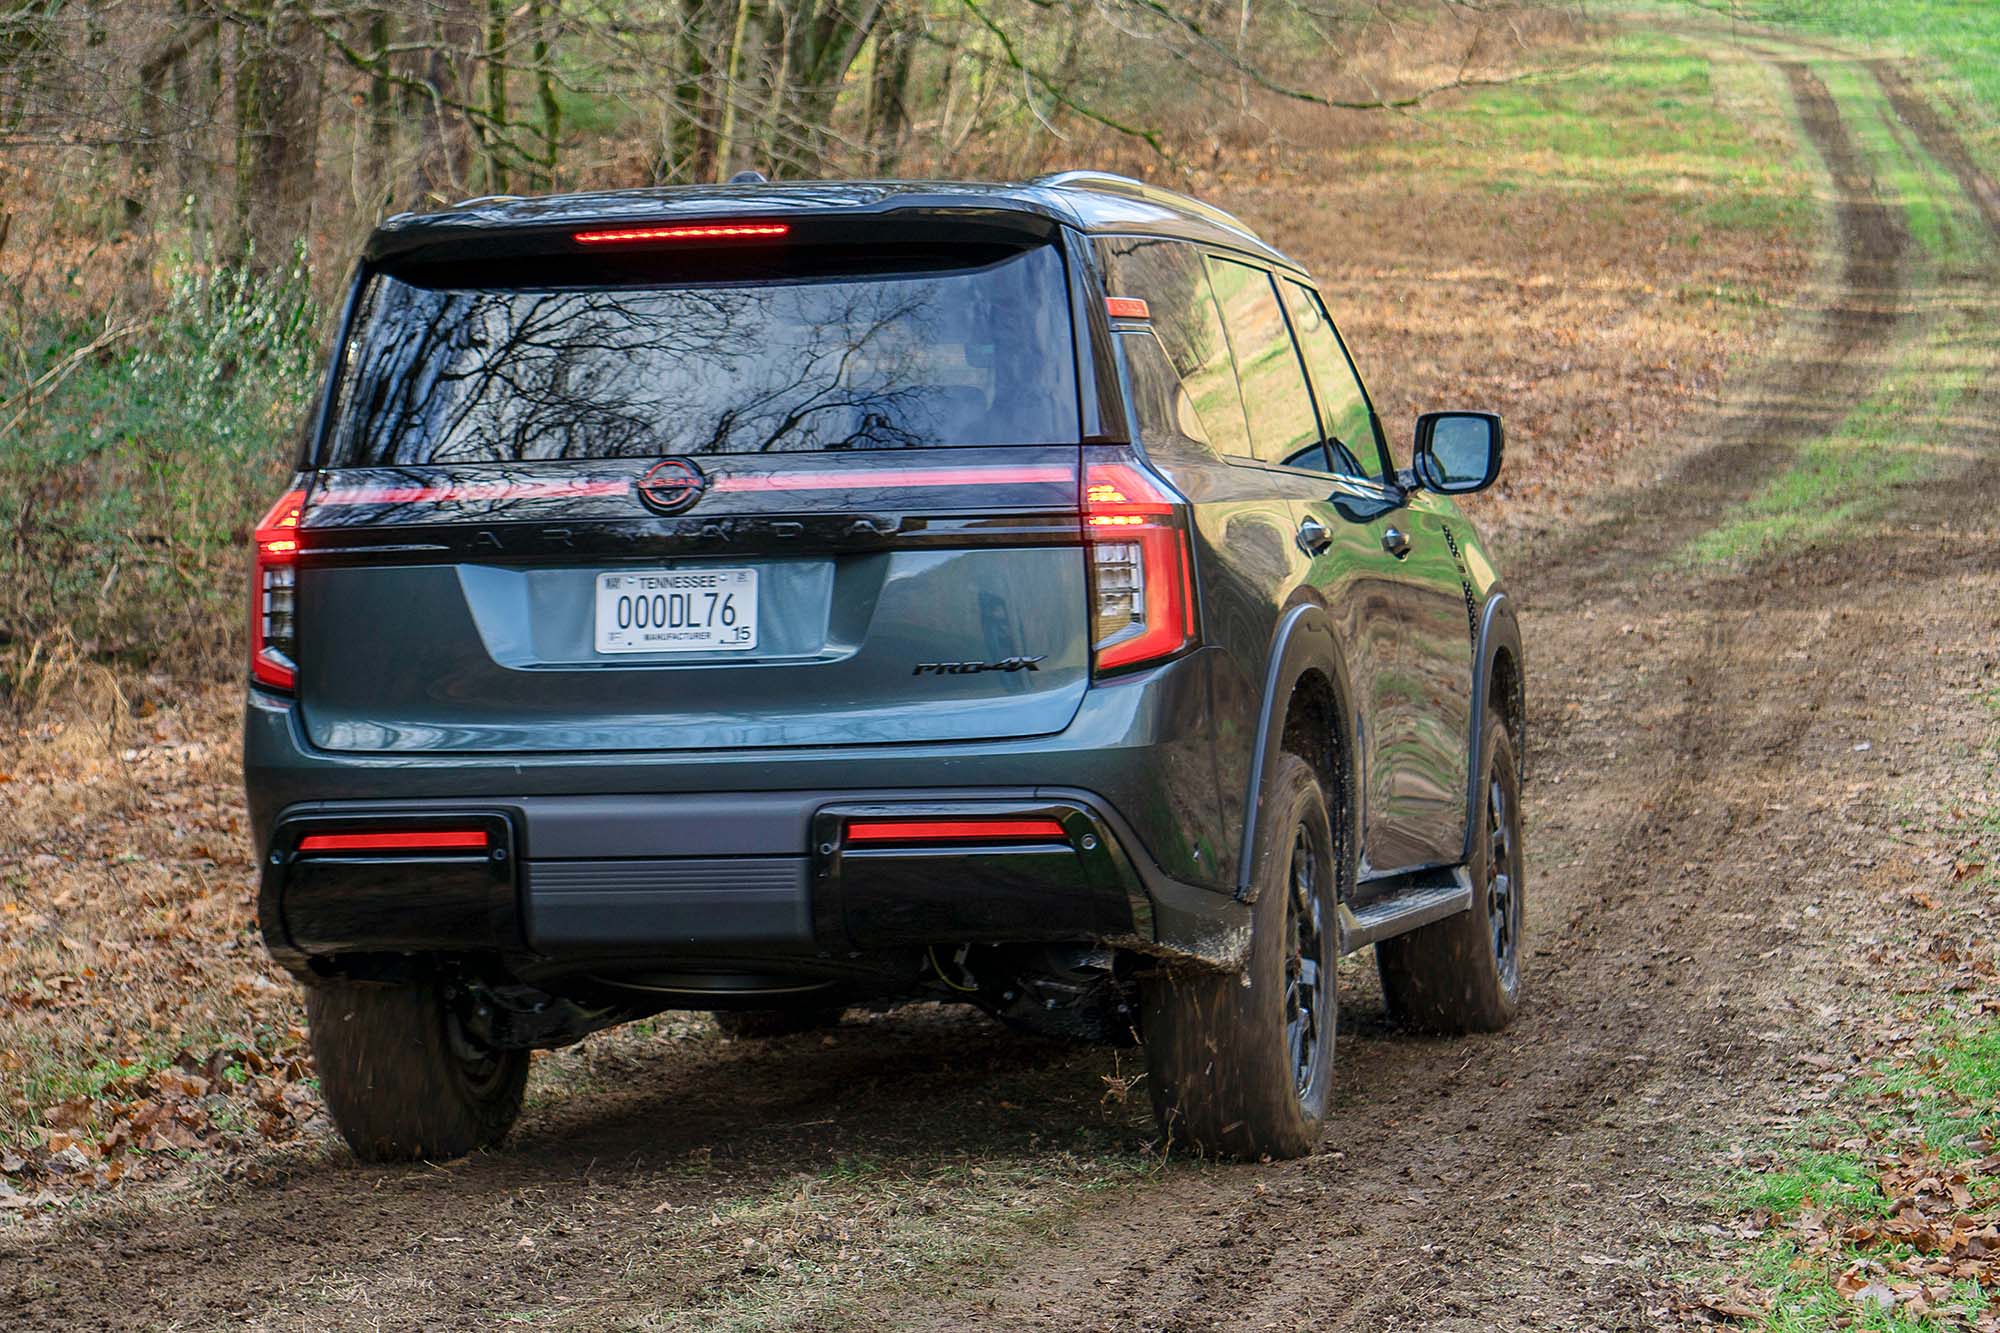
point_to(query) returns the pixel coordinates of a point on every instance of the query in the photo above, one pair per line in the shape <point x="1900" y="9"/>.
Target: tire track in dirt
<point x="1500" y="1163"/>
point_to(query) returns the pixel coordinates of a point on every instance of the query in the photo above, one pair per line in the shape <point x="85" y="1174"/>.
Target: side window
<point x="1343" y="405"/>
<point x="1168" y="276"/>
<point x="1166" y="414"/>
<point x="1282" y="426"/>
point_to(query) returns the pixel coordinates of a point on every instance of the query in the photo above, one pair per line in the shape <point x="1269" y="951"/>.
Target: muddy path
<point x="1695" y="760"/>
<point x="1696" y="788"/>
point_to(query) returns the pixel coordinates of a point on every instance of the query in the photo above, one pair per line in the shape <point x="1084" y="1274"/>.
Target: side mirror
<point x="1458" y="452"/>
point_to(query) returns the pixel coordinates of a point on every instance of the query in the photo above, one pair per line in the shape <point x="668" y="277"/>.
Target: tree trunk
<point x="445" y="162"/>
<point x="689" y="145"/>
<point x="824" y="48"/>
<point x="732" y="93"/>
<point x="380" y="165"/>
<point x="770" y="133"/>
<point x="277" y="100"/>
<point x="542" y="14"/>
<point x="888" y="93"/>
<point x="498" y="141"/>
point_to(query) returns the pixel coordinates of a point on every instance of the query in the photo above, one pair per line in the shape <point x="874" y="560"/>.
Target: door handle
<point x="1396" y="542"/>
<point x="1313" y="537"/>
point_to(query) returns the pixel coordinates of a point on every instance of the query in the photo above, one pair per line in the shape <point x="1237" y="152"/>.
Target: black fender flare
<point x="1498" y="630"/>
<point x="1304" y="640"/>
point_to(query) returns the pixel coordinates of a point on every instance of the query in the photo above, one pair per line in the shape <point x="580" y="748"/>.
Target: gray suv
<point x="774" y="599"/>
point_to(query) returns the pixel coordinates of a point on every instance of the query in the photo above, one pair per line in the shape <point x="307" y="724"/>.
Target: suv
<point x="771" y="599"/>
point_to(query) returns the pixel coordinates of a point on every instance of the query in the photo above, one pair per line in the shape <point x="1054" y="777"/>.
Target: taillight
<point x="1141" y="568"/>
<point x="273" y="593"/>
<point x="930" y="832"/>
<point x="408" y="840"/>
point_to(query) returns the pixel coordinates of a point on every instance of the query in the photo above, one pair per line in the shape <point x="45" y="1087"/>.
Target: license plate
<point x="676" y="610"/>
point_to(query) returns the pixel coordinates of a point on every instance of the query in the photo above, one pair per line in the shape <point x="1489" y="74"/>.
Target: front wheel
<point x="1463" y="974"/>
<point x="1241" y="1063"/>
<point x="401" y="1077"/>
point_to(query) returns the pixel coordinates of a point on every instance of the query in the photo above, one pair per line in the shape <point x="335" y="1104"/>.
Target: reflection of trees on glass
<point x="1167" y="417"/>
<point x="1168" y="275"/>
<point x="1343" y="407"/>
<point x="1282" y="428"/>
<point x="877" y="362"/>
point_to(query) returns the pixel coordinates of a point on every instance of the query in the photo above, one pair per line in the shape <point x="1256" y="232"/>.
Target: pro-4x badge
<point x="974" y="668"/>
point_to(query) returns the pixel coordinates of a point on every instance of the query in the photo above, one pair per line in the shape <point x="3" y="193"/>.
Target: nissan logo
<point x="670" y="485"/>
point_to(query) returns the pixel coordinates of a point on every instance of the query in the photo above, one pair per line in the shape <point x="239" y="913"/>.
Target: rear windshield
<point x="974" y="356"/>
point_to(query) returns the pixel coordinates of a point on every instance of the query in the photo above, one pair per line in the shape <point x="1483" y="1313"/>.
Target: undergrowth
<point x="134" y="454"/>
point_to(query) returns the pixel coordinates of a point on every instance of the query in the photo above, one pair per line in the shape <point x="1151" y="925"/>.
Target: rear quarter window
<point x="448" y="375"/>
<point x="1168" y="423"/>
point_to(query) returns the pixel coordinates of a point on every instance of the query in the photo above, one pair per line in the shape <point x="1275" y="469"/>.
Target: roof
<point x="1094" y="202"/>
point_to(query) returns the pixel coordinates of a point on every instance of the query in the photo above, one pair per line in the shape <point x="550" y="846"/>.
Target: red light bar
<point x="724" y="232"/>
<point x="920" y="831"/>
<point x="872" y="478"/>
<point x="430" y="840"/>
<point x="1126" y="307"/>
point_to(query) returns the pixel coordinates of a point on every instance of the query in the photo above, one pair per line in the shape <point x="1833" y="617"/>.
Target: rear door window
<point x="975" y="356"/>
<point x="1343" y="403"/>
<point x="1170" y="278"/>
<point x="1283" y="429"/>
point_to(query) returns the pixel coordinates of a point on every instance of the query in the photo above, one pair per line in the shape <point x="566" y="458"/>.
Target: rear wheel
<point x="1463" y="974"/>
<point x="1241" y="1063"/>
<point x="757" y="1023"/>
<point x="401" y="1077"/>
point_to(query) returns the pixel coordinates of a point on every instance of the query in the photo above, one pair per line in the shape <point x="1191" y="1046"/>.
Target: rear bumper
<point x="601" y="844"/>
<point x="770" y="877"/>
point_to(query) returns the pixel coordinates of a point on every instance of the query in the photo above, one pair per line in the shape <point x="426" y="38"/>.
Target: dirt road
<point x="1720" y="755"/>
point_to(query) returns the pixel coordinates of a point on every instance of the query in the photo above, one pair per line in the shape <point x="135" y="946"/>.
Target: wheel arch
<point x="1306" y="699"/>
<point x="1499" y="688"/>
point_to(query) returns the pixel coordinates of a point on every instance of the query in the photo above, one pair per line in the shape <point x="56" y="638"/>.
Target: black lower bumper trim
<point x="599" y="879"/>
<point x="667" y="904"/>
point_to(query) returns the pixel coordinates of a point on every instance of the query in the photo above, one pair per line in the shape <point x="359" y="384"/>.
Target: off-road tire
<point x="403" y="1083"/>
<point x="755" y="1024"/>
<point x="1220" y="1055"/>
<point x="1463" y="974"/>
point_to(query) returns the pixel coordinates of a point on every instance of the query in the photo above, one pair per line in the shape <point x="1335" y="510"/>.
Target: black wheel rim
<point x="1503" y="881"/>
<point x="1308" y="976"/>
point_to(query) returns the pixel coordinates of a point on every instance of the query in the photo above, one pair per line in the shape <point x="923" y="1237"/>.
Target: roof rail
<point x="1110" y="182"/>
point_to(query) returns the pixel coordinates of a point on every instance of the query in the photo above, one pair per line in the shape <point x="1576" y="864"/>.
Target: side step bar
<point x="1419" y="899"/>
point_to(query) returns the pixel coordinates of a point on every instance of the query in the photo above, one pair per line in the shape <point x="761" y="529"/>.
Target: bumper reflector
<point x="933" y="832"/>
<point x="429" y="840"/>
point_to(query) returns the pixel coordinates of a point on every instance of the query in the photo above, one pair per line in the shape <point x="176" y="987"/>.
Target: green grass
<point x="1805" y="1300"/>
<point x="1890" y="439"/>
<point x="1940" y="1096"/>
<point x="1649" y="117"/>
<point x="1827" y="1180"/>
<point x="1962" y="37"/>
<point x="1850" y="476"/>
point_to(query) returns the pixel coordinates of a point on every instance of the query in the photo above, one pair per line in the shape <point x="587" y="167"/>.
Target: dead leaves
<point x="231" y="1100"/>
<point x="1931" y="1224"/>
<point x="1738" y="1302"/>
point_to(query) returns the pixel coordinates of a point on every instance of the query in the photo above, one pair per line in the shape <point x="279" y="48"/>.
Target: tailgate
<point x="879" y="596"/>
